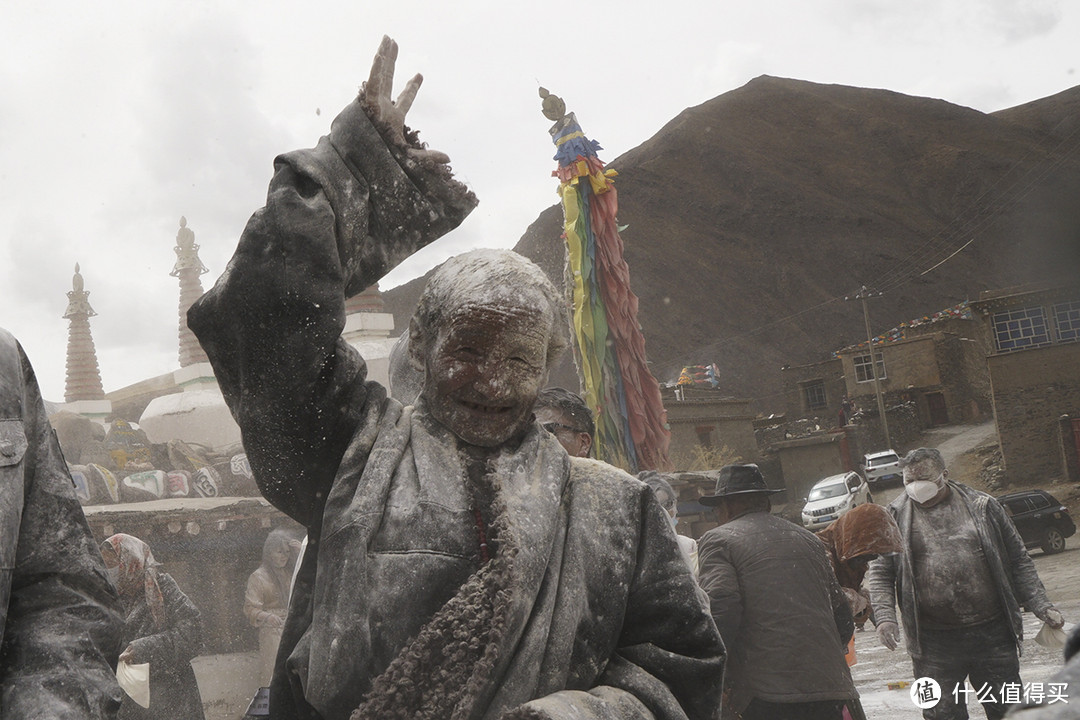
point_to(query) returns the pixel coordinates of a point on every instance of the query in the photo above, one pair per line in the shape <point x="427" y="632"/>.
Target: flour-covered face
<point x="484" y="370"/>
<point x="279" y="556"/>
<point x="924" y="481"/>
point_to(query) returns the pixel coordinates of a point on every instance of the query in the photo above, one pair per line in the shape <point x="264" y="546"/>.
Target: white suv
<point x="883" y="465"/>
<point x="832" y="497"/>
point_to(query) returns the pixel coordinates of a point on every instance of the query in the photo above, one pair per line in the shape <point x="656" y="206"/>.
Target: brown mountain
<point x="751" y="216"/>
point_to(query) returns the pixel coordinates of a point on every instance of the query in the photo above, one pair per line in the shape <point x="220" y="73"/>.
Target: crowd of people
<point x="464" y="556"/>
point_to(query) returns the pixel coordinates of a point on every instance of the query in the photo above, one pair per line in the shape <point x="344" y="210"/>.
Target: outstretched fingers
<point x="408" y="95"/>
<point x="382" y="71"/>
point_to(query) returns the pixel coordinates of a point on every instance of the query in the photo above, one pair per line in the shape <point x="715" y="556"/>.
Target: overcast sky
<point x="117" y="118"/>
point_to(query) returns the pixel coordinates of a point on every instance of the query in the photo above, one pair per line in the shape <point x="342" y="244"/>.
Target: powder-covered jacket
<point x="587" y="609"/>
<point x="1018" y="584"/>
<point x="60" y="616"/>
<point x="780" y="610"/>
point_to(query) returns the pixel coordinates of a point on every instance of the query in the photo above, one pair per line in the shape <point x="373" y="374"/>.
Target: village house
<point x="1034" y="369"/>
<point x="932" y="371"/>
<point x="705" y="423"/>
<point x="938" y="363"/>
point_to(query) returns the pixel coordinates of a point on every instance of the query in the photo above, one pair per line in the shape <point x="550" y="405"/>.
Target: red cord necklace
<point x="481" y="533"/>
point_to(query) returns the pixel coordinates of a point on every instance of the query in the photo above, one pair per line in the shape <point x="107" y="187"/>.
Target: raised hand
<point x="387" y="114"/>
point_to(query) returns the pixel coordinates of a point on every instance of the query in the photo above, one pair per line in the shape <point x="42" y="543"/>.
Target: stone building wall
<point x="707" y="419"/>
<point x="1032" y="390"/>
<point x="965" y="379"/>
<point x="905" y="430"/>
<point x="828" y="375"/>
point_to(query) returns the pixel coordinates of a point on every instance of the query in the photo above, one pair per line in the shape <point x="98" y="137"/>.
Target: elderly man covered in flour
<point x="460" y="564"/>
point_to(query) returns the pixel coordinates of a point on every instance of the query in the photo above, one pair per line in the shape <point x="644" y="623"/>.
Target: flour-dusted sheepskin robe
<point x="586" y="610"/>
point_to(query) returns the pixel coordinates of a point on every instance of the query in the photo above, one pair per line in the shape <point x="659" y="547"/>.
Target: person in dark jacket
<point x="565" y="415"/>
<point x="163" y="628"/>
<point x="60" y="617"/>
<point x="781" y="612"/>
<point x="459" y="563"/>
<point x="960" y="581"/>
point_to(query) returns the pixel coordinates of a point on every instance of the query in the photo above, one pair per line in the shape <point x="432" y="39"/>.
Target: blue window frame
<point x="1067" y="319"/>
<point x="1020" y="329"/>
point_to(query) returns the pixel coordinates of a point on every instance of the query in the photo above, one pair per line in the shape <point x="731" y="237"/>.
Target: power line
<point x="982" y="212"/>
<point x="901" y="273"/>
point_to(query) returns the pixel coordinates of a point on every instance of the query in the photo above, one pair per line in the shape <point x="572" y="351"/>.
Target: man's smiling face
<point x="484" y="369"/>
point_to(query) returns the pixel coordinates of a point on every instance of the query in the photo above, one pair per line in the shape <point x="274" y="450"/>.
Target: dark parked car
<point x="1039" y="518"/>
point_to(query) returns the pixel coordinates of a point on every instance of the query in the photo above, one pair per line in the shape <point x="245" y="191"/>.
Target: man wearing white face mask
<point x="961" y="581"/>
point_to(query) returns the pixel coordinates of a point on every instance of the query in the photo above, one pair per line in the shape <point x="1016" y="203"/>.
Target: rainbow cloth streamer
<point x="631" y="429"/>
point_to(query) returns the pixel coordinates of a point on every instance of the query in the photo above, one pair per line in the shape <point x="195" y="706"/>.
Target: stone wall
<point x="807" y="460"/>
<point x="1032" y="390"/>
<point x="705" y="418"/>
<point x="965" y="379"/>
<point x="1070" y="446"/>
<point x="794" y="379"/>
<point x="905" y="430"/>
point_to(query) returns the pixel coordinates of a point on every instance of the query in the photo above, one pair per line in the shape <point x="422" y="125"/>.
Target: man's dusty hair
<point x="488" y="278"/>
<point x="920" y="454"/>
<point x="569" y="404"/>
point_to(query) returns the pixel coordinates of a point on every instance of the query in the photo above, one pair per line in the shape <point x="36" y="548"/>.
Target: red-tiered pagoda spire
<point x="83" y="375"/>
<point x="188" y="268"/>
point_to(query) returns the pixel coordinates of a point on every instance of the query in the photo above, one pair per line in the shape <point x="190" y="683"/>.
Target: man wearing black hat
<point x="777" y="604"/>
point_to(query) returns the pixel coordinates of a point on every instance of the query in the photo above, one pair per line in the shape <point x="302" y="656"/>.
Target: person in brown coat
<point x="854" y="539"/>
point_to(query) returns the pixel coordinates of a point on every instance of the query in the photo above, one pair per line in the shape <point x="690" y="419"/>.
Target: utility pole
<point x="862" y="295"/>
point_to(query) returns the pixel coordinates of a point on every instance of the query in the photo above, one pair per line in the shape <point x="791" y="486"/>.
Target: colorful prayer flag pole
<point x="631" y="428"/>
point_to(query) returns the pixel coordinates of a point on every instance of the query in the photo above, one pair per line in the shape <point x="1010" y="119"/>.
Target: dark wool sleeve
<point x="337" y="218"/>
<point x="61" y="623"/>
<point x="845" y="623"/>
<point x="180" y="639"/>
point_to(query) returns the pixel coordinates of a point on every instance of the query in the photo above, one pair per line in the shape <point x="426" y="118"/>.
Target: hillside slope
<point x="752" y="215"/>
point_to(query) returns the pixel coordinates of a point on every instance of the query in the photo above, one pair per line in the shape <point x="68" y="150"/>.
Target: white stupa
<point x="199" y="414"/>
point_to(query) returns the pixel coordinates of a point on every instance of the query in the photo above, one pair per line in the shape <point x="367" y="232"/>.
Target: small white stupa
<point x="198" y="414"/>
